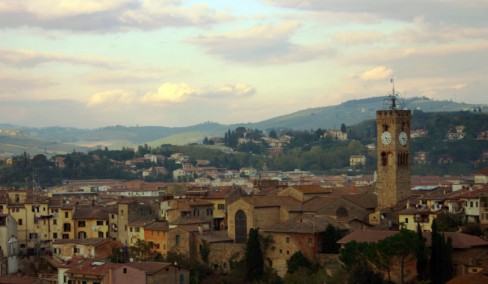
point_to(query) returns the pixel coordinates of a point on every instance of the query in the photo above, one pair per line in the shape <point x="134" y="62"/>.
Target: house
<point x="305" y="192"/>
<point x="88" y="248"/>
<point x="220" y="198"/>
<point x="129" y="210"/>
<point x="357" y="160"/>
<point x="468" y="250"/>
<point x="481" y="177"/>
<point x="336" y="134"/>
<point x="137" y="231"/>
<point x="409" y="218"/>
<point x="155" y="272"/>
<point x="9" y="247"/>
<point x="300" y="234"/>
<point x="421" y="157"/>
<point x="445" y="159"/>
<point x="157" y="234"/>
<point x="91" y="221"/>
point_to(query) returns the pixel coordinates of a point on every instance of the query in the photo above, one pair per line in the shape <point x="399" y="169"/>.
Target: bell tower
<point x="393" y="140"/>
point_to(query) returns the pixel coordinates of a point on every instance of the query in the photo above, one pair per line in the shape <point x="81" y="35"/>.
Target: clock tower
<point x="393" y="140"/>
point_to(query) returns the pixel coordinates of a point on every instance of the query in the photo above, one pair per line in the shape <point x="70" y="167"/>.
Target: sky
<point x="96" y="63"/>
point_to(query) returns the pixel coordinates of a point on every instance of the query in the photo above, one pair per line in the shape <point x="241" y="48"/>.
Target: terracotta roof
<point x="304" y="225"/>
<point x="312" y="188"/>
<point x="216" y="236"/>
<point x="318" y="202"/>
<point x="140" y="223"/>
<point x="157" y="226"/>
<point x="12" y="279"/>
<point x="483" y="171"/>
<point x="95" y="212"/>
<point x="287" y="202"/>
<point x="459" y="240"/>
<point x="366" y="236"/>
<point x="91" y="241"/>
<point x="366" y="200"/>
<point x="149" y="267"/>
<point x="90" y="267"/>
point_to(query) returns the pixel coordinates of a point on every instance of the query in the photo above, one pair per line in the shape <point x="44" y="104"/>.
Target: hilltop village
<point x="112" y="231"/>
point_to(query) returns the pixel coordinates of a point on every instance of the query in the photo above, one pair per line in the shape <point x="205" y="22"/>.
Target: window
<point x="99" y="223"/>
<point x="137" y="229"/>
<point x="20" y="222"/>
<point x="55" y="235"/>
<point x="65" y="236"/>
<point x="406" y="220"/>
<point x="471" y="204"/>
<point x="130" y="229"/>
<point x="209" y="212"/>
<point x="287" y="240"/>
<point x="196" y="212"/>
<point x="33" y="236"/>
<point x="35" y="209"/>
<point x="113" y="216"/>
<point x="66" y="227"/>
<point x="81" y="224"/>
<point x="125" y="270"/>
<point x="76" y="250"/>
<point x="177" y="239"/>
<point x="221" y="206"/>
<point x="55" y="222"/>
<point x="66" y="214"/>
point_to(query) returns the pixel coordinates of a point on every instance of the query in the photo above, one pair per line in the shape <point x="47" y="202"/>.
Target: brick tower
<point x="393" y="140"/>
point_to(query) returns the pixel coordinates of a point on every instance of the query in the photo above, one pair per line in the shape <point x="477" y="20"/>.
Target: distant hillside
<point x="52" y="140"/>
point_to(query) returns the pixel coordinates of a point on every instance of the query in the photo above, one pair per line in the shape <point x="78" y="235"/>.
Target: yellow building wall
<point x="159" y="238"/>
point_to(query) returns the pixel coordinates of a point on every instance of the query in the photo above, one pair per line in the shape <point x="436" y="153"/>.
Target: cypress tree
<point x="421" y="256"/>
<point x="254" y="256"/>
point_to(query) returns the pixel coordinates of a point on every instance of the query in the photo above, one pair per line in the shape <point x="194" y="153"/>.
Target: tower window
<point x="384" y="159"/>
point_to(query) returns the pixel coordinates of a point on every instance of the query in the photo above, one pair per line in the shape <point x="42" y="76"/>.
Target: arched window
<point x="342" y="212"/>
<point x="241" y="227"/>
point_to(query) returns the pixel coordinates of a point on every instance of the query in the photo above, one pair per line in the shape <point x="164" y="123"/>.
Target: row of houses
<point x="294" y="216"/>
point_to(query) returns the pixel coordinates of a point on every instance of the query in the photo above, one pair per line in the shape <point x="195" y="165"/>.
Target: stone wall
<point x="222" y="254"/>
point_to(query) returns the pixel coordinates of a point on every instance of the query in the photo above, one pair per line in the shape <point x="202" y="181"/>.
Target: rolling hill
<point x="58" y="140"/>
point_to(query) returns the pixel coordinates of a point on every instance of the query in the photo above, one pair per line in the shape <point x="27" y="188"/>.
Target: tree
<point x="329" y="241"/>
<point x="402" y="245"/>
<point x="296" y="261"/>
<point x="421" y="256"/>
<point x="205" y="251"/>
<point x="254" y="256"/>
<point x="364" y="274"/>
<point x="142" y="251"/>
<point x="440" y="258"/>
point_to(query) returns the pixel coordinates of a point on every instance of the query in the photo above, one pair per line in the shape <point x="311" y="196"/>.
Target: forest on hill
<point x="307" y="150"/>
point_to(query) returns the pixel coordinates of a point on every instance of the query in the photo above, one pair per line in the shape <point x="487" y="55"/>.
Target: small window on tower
<point x="384" y="159"/>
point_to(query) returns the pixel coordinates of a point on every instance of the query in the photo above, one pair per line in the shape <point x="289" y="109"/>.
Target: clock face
<point x="386" y="138"/>
<point x="403" y="138"/>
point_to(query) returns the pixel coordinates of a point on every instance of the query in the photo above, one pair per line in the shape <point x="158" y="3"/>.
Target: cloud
<point x="113" y="97"/>
<point x="358" y="37"/>
<point x="377" y="73"/>
<point x="172" y="93"/>
<point x="238" y="89"/>
<point x="438" y="12"/>
<point x="260" y="44"/>
<point x="107" y="15"/>
<point x="30" y="58"/>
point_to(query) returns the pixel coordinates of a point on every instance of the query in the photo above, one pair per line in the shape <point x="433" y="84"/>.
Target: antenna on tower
<point x="393" y="101"/>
